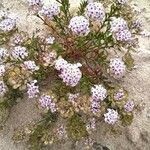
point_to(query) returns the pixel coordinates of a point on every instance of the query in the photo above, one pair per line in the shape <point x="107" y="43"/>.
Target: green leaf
<point x="82" y="6"/>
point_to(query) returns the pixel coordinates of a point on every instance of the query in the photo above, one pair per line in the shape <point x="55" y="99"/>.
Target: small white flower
<point x="49" y="11"/>
<point x="2" y="88"/>
<point x="129" y="106"/>
<point x="111" y="117"/>
<point x="19" y="53"/>
<point x="79" y="25"/>
<point x="31" y="66"/>
<point x="49" y="40"/>
<point x="99" y="93"/>
<point x="117" y="68"/>
<point x="95" y="11"/>
<point x="2" y="70"/>
<point x="32" y="89"/>
<point x="7" y="25"/>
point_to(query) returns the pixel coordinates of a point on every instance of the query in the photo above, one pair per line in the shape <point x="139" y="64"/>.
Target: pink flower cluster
<point x="79" y="25"/>
<point x="46" y="102"/>
<point x="119" y="95"/>
<point x="95" y="11"/>
<point x="117" y="68"/>
<point x="129" y="106"/>
<point x="69" y="73"/>
<point x="30" y="65"/>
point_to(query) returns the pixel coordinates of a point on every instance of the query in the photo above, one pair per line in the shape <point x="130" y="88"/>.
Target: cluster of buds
<point x="120" y="30"/>
<point x="47" y="102"/>
<point x="17" y="77"/>
<point x="95" y="11"/>
<point x="50" y="11"/>
<point x="69" y="73"/>
<point x="117" y="68"/>
<point x="72" y="97"/>
<point x="79" y="25"/>
<point x="111" y="117"/>
<point x="32" y="89"/>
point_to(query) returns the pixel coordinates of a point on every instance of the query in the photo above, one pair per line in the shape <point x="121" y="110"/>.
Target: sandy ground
<point x="135" y="137"/>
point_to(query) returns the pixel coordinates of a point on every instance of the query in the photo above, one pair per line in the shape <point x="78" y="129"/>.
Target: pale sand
<point x="135" y="137"/>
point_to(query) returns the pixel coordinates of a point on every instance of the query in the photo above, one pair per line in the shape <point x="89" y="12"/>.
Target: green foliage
<point x="82" y="7"/>
<point x="76" y="128"/>
<point x="127" y="119"/>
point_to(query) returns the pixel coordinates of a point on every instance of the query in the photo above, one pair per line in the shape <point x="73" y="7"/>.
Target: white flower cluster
<point x="3" y="54"/>
<point x="46" y="102"/>
<point x="30" y="65"/>
<point x="117" y="68"/>
<point x="128" y="107"/>
<point x="50" y="10"/>
<point x="32" y="89"/>
<point x="120" y="29"/>
<point x="2" y="88"/>
<point x="69" y="73"/>
<point x="111" y="117"/>
<point x="95" y="11"/>
<point x="19" y="53"/>
<point x="119" y="95"/>
<point x="17" y="39"/>
<point x="2" y="69"/>
<point x="7" y="24"/>
<point x="99" y="93"/>
<point x="79" y="25"/>
<point x="122" y="1"/>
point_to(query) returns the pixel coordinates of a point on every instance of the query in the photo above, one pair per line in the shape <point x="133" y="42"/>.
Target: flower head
<point x="30" y="65"/>
<point x="49" y="40"/>
<point x="95" y="11"/>
<point x="60" y="63"/>
<point x="19" y="53"/>
<point x="49" y="11"/>
<point x="46" y="102"/>
<point x="32" y="89"/>
<point x="118" y="24"/>
<point x="111" y="116"/>
<point x="71" y="74"/>
<point x="117" y="68"/>
<point x="128" y="107"/>
<point x="79" y="25"/>
<point x="99" y="93"/>
<point x="7" y="24"/>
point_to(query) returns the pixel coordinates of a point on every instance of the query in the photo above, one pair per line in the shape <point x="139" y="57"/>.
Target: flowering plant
<point x="83" y="60"/>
